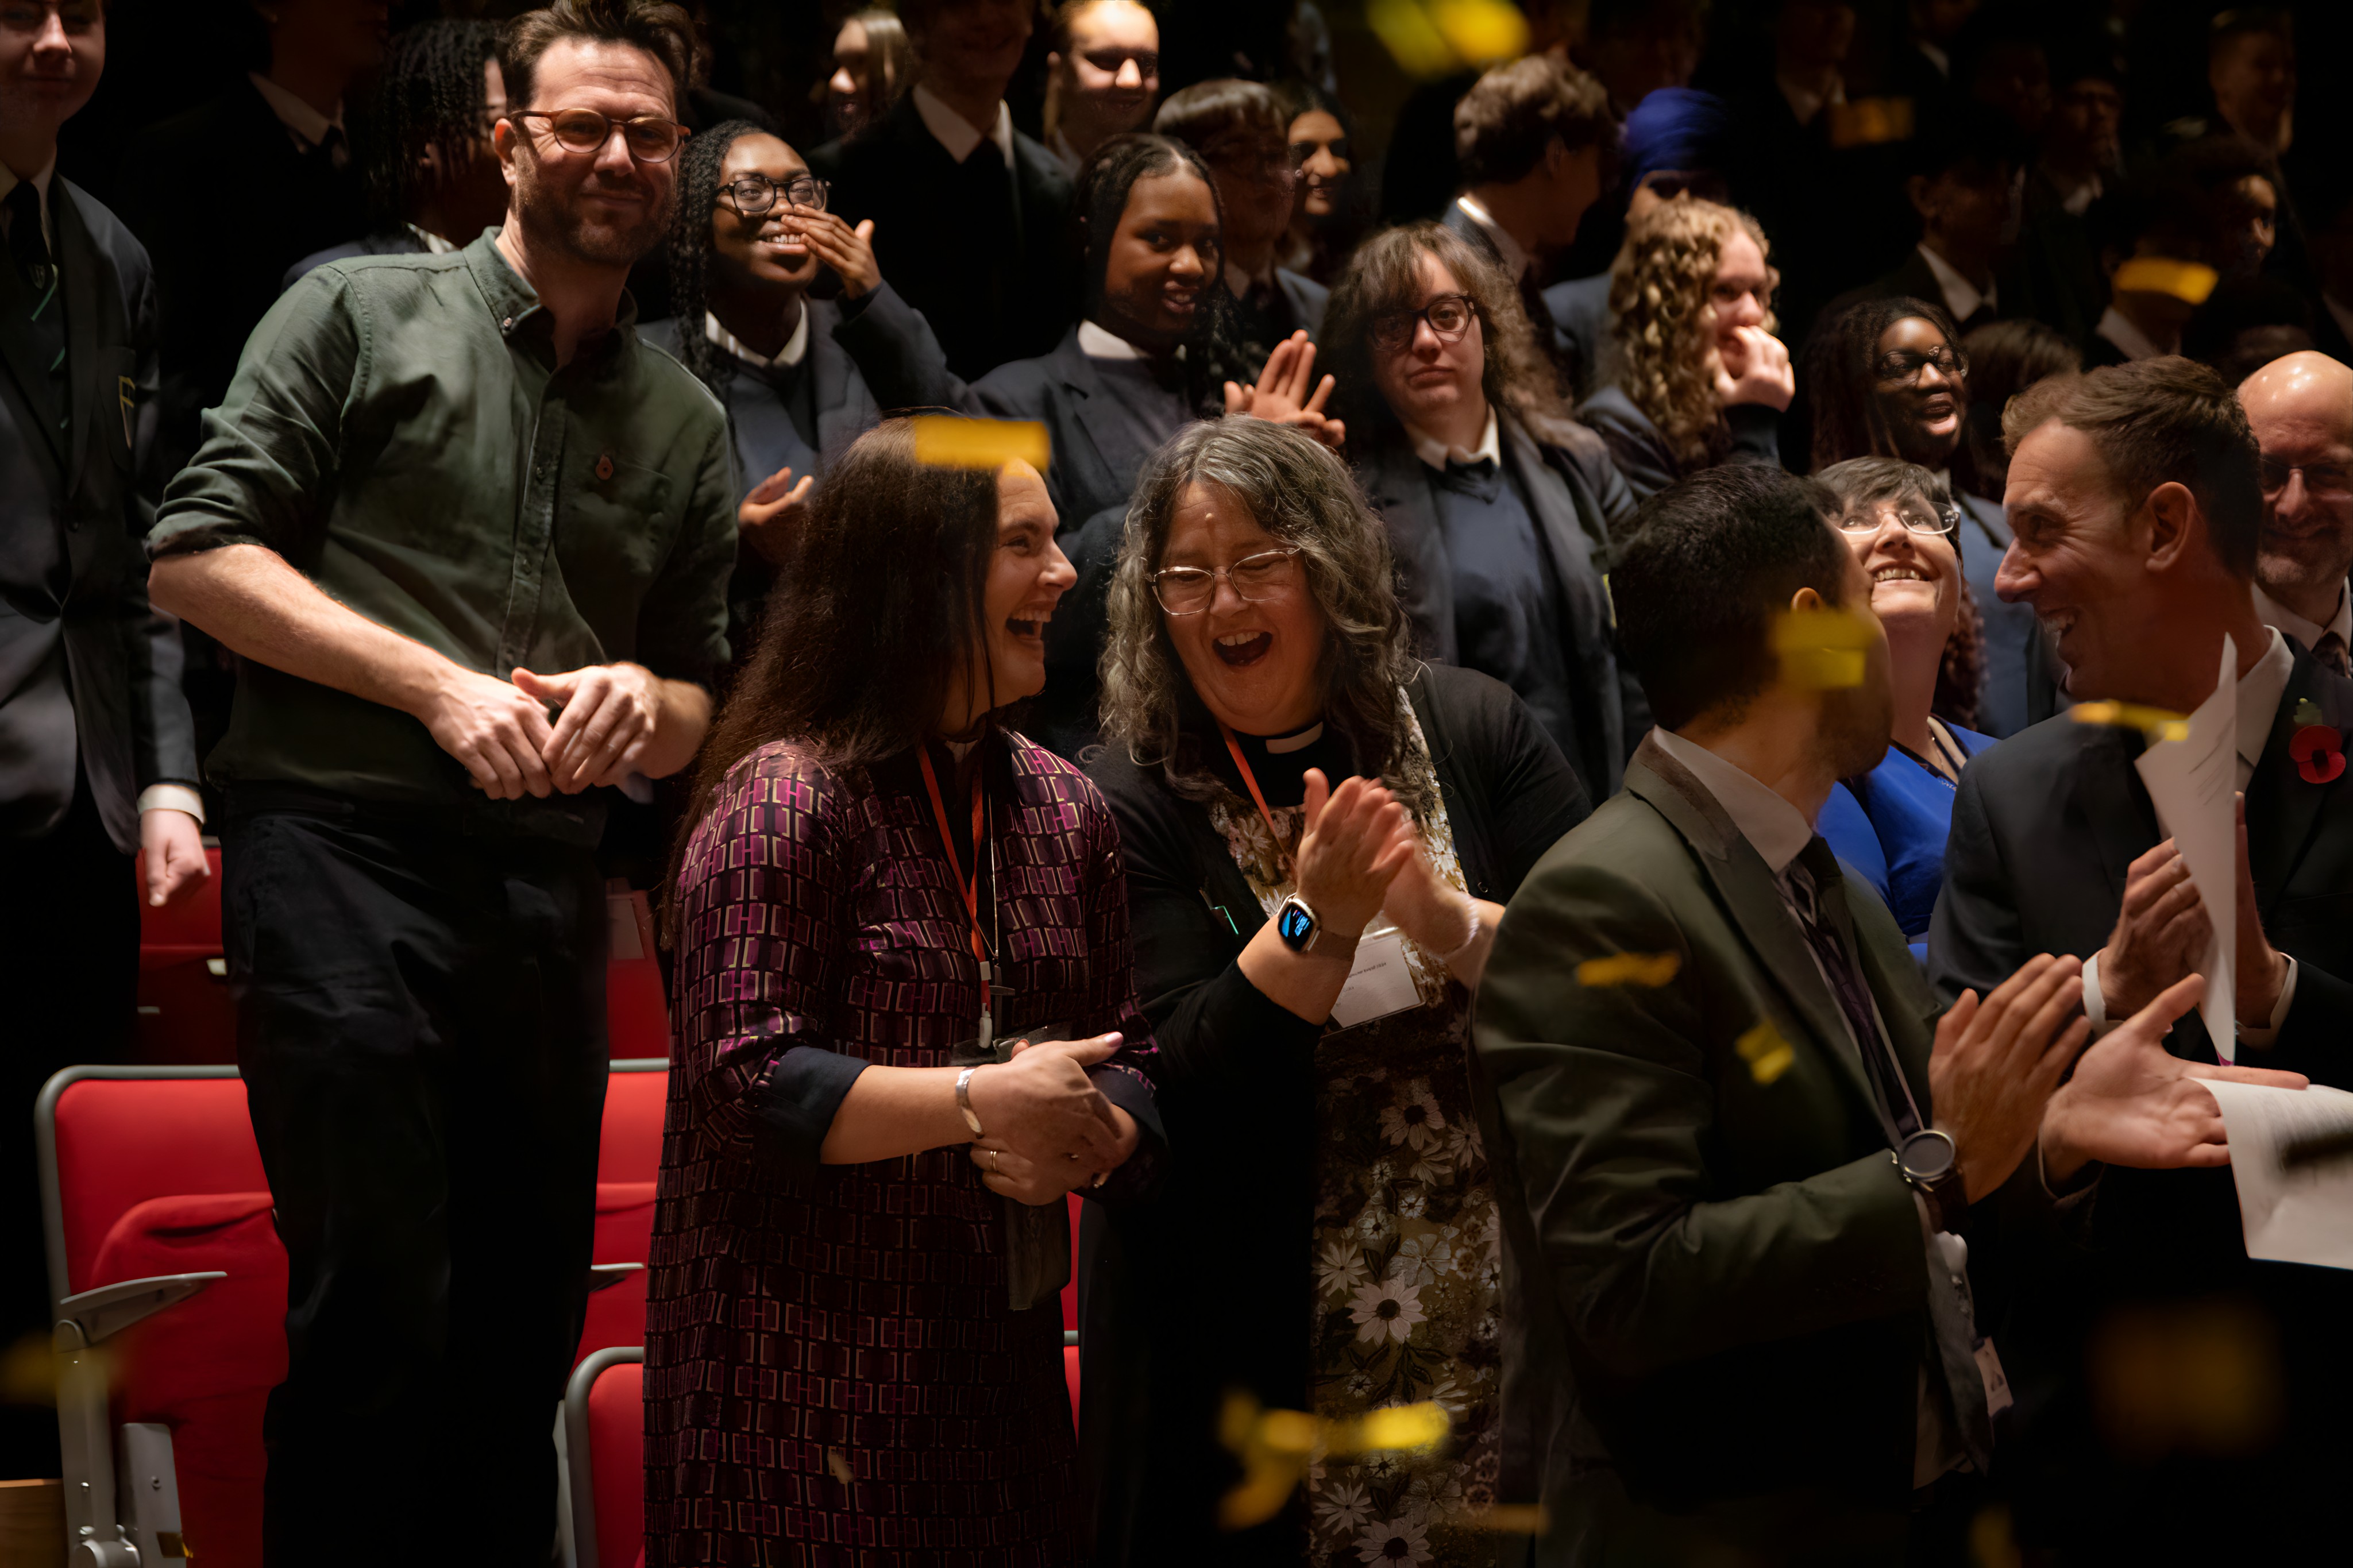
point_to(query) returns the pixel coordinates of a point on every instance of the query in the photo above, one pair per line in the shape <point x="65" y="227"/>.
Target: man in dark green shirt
<point x="445" y="498"/>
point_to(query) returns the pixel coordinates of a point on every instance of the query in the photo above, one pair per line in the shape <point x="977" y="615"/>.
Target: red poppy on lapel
<point x="2318" y="752"/>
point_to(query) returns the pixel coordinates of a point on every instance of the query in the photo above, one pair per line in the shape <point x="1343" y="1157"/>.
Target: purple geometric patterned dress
<point x="834" y="1376"/>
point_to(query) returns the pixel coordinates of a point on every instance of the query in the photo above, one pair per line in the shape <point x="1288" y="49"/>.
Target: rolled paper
<point x="950" y="441"/>
<point x="2188" y="281"/>
<point x="1650" y="969"/>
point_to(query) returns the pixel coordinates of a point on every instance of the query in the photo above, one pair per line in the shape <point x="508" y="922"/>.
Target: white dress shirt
<point x="1805" y="103"/>
<point x="2261" y="690"/>
<point x="305" y="124"/>
<point x="1962" y="297"/>
<point x="795" y="346"/>
<point x="955" y="133"/>
<point x="1436" y="453"/>
<point x="1515" y="260"/>
<point x="2275" y="613"/>
<point x="42" y="177"/>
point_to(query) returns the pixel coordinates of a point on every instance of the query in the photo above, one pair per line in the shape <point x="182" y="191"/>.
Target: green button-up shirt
<point x="398" y="431"/>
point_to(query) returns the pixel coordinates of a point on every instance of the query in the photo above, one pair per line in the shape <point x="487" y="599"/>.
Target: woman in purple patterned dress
<point x="853" y="1348"/>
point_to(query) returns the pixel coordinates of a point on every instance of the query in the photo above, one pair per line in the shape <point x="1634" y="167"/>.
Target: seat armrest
<point x="605" y="1276"/>
<point x="95" y="1315"/>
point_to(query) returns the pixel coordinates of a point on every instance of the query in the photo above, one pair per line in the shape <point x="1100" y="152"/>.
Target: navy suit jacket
<point x="89" y="673"/>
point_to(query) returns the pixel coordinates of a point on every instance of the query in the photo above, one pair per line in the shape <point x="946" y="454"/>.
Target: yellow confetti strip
<point x="1274" y="1446"/>
<point x="1768" y="1056"/>
<point x="1823" y="650"/>
<point x="2188" y="281"/>
<point x="1869" y="122"/>
<point x="1651" y="969"/>
<point x="2155" y="722"/>
<point x="1512" y="1519"/>
<point x="946" y="441"/>
<point x="1431" y="37"/>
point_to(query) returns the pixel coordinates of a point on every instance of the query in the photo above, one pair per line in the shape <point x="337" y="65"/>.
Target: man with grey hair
<point x="2301" y="409"/>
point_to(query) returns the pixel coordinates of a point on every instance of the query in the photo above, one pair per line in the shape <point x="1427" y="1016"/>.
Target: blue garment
<point x="1890" y="825"/>
<point x="2009" y="629"/>
<point x="1508" y="611"/>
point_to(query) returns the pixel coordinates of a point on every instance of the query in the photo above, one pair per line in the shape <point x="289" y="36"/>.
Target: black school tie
<point x="28" y="248"/>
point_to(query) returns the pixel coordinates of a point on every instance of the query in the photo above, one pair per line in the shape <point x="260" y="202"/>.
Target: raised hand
<point x="1281" y="396"/>
<point x="1358" y="839"/>
<point x="767" y="517"/>
<point x="2261" y="969"/>
<point x="609" y="712"/>
<point x="2161" y="933"/>
<point x="848" y="251"/>
<point x="2131" y="1102"/>
<point x="1042" y="1106"/>
<point x="1996" y="1064"/>
<point x="495" y="729"/>
<point x="1755" y="369"/>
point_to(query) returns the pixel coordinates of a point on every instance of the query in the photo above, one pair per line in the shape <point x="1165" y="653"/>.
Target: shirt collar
<point x="1962" y="297"/>
<point x="955" y="133"/>
<point x="2135" y="343"/>
<point x="2260" y="692"/>
<point x="308" y="126"/>
<point x="1774" y="827"/>
<point x="1804" y="101"/>
<point x="433" y="243"/>
<point x="1515" y="260"/>
<point x="43" y="177"/>
<point x="795" y="346"/>
<point x="2308" y="633"/>
<point x="1436" y="453"/>
<point x="1096" y="342"/>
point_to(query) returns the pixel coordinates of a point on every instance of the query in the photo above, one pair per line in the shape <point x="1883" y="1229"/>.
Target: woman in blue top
<point x="1889" y="824"/>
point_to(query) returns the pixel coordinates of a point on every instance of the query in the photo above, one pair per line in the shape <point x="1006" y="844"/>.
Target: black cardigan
<point x="1210" y="1286"/>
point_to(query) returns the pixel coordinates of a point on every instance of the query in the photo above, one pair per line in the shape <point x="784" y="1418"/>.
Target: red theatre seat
<point x="604" y="1463"/>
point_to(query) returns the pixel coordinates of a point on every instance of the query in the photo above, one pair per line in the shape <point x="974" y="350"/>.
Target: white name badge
<point x="1379" y="984"/>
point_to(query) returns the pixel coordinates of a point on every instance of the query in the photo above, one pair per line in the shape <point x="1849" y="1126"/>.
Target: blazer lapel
<point x="1397" y="484"/>
<point x="1089" y="417"/>
<point x="2283" y="807"/>
<point x="88" y="283"/>
<point x="831" y="384"/>
<point x="1748" y="891"/>
<point x="26" y="364"/>
<point x="2115" y="803"/>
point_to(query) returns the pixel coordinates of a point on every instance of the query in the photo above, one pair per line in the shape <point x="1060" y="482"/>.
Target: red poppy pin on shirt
<point x="2318" y="752"/>
<point x="604" y="464"/>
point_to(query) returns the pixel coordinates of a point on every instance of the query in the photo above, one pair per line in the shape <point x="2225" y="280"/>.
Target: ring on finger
<point x="994" y="1168"/>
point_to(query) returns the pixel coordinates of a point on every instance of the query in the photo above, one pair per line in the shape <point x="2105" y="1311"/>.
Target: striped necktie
<point x="28" y="248"/>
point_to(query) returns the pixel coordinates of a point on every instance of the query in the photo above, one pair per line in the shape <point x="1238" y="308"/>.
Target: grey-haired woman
<point x="1318" y="833"/>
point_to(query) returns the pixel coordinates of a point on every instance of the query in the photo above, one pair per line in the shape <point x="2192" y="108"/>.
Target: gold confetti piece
<point x="1274" y="1446"/>
<point x="1768" y="1056"/>
<point x="2155" y="722"/>
<point x="838" y="1464"/>
<point x="1512" y="1519"/>
<point x="1822" y="651"/>
<point x="2188" y="281"/>
<point x="1869" y="122"/>
<point x="1399" y="1427"/>
<point x="1651" y="969"/>
<point x="2307" y="713"/>
<point x="1482" y="32"/>
<point x="948" y="441"/>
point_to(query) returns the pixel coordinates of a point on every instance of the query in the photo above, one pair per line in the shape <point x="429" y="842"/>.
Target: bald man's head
<point x="2301" y="408"/>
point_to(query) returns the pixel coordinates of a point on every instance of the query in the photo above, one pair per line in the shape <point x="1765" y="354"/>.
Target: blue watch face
<point x="1293" y="925"/>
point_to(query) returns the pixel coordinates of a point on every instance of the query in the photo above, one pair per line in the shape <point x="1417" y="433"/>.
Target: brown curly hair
<point x="1660" y="288"/>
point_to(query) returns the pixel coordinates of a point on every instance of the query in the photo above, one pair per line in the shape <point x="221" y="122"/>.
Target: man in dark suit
<point x="968" y="213"/>
<point x="1960" y="184"/>
<point x="1534" y="140"/>
<point x="222" y="246"/>
<point x="2135" y="497"/>
<point x="1734" y="1184"/>
<point x="2300" y="407"/>
<point x="97" y="760"/>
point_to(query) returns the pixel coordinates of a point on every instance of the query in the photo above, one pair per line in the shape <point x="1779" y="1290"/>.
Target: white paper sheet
<point x="2193" y="785"/>
<point x="2292" y="1156"/>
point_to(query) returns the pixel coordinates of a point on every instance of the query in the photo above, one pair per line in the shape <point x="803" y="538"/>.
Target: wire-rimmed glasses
<point x="1187" y="590"/>
<point x="1931" y="517"/>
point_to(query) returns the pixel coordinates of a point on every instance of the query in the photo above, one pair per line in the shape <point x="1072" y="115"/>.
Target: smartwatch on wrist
<point x="1930" y="1163"/>
<point x="1296" y="924"/>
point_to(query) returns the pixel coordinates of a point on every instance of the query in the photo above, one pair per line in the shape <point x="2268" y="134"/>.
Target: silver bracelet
<point x="964" y="1100"/>
<point x="1475" y="924"/>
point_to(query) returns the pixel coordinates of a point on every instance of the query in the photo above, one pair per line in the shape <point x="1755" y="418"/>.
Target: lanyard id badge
<point x="970" y="888"/>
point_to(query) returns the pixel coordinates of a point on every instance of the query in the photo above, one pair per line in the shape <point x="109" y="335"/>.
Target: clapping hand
<point x="766" y="516"/>
<point x="2131" y="1102"/>
<point x="2161" y="933"/>
<point x="1996" y="1064"/>
<point x="1755" y="369"/>
<point x="1356" y="839"/>
<point x="1280" y="394"/>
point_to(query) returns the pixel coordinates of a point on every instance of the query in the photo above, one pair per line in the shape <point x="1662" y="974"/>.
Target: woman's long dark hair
<point x="699" y="162"/>
<point x="877" y="612"/>
<point x="1842" y="380"/>
<point x="427" y="94"/>
<point x="1213" y="351"/>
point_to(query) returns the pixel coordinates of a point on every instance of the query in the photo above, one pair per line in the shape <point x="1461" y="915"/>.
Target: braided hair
<point x="1842" y="382"/>
<point x="699" y="162"/>
<point x="427" y="94"/>
<point x="1214" y="353"/>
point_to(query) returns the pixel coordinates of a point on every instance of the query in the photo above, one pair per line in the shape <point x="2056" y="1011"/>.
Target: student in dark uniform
<point x="1241" y="131"/>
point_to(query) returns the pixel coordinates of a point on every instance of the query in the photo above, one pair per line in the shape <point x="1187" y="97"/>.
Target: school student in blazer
<point x="1499" y="505"/>
<point x="2135" y="495"/>
<point x="1242" y="133"/>
<point x="97" y="755"/>
<point x="1742" y="1326"/>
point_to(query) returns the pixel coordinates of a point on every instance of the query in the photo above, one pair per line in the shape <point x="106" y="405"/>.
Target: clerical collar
<point x="1297" y="741"/>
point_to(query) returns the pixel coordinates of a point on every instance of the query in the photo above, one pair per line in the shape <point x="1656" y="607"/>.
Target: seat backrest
<point x="605" y="1439"/>
<point x="637" y="1017"/>
<point x="629" y="1149"/>
<point x="119" y="1136"/>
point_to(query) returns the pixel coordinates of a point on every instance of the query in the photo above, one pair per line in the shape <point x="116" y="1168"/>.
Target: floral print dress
<point x="1408" y="1260"/>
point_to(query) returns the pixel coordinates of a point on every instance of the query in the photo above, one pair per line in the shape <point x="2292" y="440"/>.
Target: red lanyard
<point x="1250" y="781"/>
<point x="947" y="841"/>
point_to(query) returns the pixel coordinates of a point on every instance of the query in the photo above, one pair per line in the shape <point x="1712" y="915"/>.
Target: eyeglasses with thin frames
<point x="1930" y="519"/>
<point x="1450" y="316"/>
<point x="756" y="196"/>
<point x="2322" y="481"/>
<point x="649" y="138"/>
<point x="1188" y="590"/>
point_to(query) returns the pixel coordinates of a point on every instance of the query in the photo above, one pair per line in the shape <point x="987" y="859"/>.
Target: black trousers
<point x="69" y="981"/>
<point x="421" y="1028"/>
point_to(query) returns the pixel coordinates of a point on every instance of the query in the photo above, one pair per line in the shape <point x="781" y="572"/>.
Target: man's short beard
<point x="550" y="220"/>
